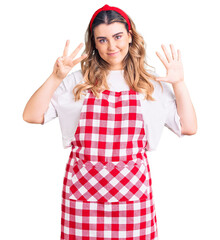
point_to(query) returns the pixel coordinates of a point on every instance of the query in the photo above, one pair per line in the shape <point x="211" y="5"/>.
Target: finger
<point x="76" y="61"/>
<point x="74" y="53"/>
<point x="179" y="55"/>
<point x="59" y="62"/>
<point x="163" y="79"/>
<point x="173" y="51"/>
<point x="65" y="51"/>
<point x="168" y="57"/>
<point x="60" y="59"/>
<point x="162" y="59"/>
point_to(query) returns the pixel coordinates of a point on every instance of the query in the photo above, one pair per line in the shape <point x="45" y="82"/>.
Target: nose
<point x="111" y="45"/>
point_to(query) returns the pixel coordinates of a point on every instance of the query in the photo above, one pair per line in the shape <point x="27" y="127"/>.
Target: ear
<point x="130" y="36"/>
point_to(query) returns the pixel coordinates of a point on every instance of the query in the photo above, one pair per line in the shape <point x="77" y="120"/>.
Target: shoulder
<point x="165" y="94"/>
<point x="70" y="81"/>
<point x="78" y="76"/>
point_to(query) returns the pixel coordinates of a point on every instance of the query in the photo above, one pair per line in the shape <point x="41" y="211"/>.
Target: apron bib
<point x="108" y="161"/>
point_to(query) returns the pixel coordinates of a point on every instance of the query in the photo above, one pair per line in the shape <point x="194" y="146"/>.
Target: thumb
<point x="164" y="79"/>
<point x="59" y="61"/>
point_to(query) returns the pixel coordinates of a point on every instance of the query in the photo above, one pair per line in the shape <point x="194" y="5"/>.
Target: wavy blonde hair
<point x="95" y="70"/>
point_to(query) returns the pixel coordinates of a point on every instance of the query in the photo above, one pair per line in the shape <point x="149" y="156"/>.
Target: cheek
<point x="124" y="45"/>
<point x="101" y="49"/>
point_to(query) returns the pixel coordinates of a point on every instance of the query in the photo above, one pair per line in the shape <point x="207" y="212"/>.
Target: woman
<point x="111" y="112"/>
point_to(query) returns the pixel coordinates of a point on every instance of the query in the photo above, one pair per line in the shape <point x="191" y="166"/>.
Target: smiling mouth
<point x="112" y="54"/>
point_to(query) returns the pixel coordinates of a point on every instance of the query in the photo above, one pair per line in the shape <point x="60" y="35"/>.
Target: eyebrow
<point x="112" y="35"/>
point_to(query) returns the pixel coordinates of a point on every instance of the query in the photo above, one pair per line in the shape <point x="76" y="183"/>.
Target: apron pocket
<point x="111" y="182"/>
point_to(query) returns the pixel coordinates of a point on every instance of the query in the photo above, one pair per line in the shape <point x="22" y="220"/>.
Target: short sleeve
<point x="53" y="108"/>
<point x="172" y="119"/>
<point x="51" y="112"/>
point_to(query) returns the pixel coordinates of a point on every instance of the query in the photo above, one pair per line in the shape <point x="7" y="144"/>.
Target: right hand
<point x="64" y="64"/>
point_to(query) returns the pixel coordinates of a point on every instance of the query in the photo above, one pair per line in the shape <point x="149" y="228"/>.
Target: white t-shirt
<point x="156" y="114"/>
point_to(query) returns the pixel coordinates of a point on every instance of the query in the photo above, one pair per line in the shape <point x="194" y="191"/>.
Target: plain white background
<point x="185" y="172"/>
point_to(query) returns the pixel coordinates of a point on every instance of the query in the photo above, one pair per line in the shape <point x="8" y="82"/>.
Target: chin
<point x="114" y="63"/>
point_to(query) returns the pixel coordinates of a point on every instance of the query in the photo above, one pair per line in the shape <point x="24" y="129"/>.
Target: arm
<point x="39" y="101"/>
<point x="185" y="109"/>
<point x="175" y="76"/>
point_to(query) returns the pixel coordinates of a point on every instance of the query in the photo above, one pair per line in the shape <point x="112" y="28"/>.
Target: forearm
<point x="39" y="101"/>
<point x="185" y="108"/>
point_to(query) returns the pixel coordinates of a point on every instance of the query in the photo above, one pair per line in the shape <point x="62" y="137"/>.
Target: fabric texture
<point x="107" y="191"/>
<point x="156" y="114"/>
<point x="108" y="149"/>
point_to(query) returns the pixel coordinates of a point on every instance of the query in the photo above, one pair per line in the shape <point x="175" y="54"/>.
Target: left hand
<point x="173" y="65"/>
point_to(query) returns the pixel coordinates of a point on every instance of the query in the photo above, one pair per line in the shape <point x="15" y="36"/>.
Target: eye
<point x="118" y="36"/>
<point x="102" y="40"/>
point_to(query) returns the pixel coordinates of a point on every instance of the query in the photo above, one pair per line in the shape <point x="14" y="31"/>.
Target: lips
<point x="112" y="54"/>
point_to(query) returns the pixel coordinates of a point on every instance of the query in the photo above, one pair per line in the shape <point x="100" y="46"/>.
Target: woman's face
<point x="112" y="42"/>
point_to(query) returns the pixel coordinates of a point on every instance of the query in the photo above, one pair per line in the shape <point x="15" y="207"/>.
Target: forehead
<point x="105" y="30"/>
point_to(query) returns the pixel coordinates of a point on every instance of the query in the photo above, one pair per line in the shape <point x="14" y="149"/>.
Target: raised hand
<point x="64" y="64"/>
<point x="173" y="65"/>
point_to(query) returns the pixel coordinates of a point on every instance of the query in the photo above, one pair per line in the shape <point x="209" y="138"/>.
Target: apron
<point x="107" y="185"/>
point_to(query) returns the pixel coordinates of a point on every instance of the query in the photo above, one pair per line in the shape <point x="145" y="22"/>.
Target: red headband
<point x="106" y="8"/>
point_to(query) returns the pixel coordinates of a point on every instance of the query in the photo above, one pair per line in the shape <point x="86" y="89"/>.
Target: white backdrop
<point x="185" y="172"/>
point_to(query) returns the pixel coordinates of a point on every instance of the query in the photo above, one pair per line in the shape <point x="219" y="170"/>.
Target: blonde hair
<point x="95" y="70"/>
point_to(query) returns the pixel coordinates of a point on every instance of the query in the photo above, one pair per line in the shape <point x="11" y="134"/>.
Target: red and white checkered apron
<point x="107" y="192"/>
